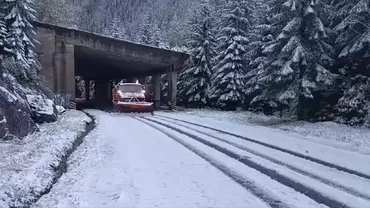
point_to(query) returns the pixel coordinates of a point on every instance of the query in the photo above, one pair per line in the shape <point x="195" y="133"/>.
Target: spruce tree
<point x="145" y="33"/>
<point x="351" y="21"/>
<point x="3" y="34"/>
<point x="228" y="80"/>
<point x="18" y="15"/>
<point x="195" y="80"/>
<point x="301" y="58"/>
<point x="115" y="30"/>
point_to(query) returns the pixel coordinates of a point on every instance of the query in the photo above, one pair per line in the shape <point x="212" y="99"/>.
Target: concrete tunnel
<point x="104" y="67"/>
<point x="66" y="53"/>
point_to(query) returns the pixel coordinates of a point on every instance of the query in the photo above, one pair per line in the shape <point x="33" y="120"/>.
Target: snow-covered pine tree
<point x="353" y="107"/>
<point x="156" y="36"/>
<point x="270" y="22"/>
<point x="59" y="12"/>
<point x="351" y="21"/>
<point x="195" y="80"/>
<point x="3" y="33"/>
<point x="149" y="32"/>
<point x="18" y="15"/>
<point x="145" y="33"/>
<point x="115" y="30"/>
<point x="301" y="58"/>
<point x="228" y="80"/>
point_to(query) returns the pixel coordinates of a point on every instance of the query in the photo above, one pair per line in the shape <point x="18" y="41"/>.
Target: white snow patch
<point x="27" y="165"/>
<point x="355" y="139"/>
<point x="10" y="97"/>
<point x="60" y="109"/>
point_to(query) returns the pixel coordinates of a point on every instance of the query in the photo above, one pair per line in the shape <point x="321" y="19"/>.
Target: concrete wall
<point x="57" y="60"/>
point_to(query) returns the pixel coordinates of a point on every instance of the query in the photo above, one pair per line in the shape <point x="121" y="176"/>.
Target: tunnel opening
<point x="97" y="72"/>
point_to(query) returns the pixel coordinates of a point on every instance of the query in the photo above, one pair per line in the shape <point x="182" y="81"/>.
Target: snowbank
<point x="241" y="117"/>
<point x="356" y="139"/>
<point x="28" y="166"/>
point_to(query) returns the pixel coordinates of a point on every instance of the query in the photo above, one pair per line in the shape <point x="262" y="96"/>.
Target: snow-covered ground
<point x="129" y="161"/>
<point x="292" y="142"/>
<point x="26" y="166"/>
<point x="355" y="139"/>
<point x="125" y="163"/>
<point x="330" y="182"/>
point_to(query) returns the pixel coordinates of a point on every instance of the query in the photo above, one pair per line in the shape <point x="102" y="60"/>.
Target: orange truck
<point x="130" y="97"/>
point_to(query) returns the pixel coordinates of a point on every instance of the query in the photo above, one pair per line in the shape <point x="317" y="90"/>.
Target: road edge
<point x="62" y="167"/>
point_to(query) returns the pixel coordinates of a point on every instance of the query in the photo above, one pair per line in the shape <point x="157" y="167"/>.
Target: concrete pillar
<point x="64" y="70"/>
<point x="172" y="87"/>
<point x="45" y="52"/>
<point x="70" y="76"/>
<point x="87" y="89"/>
<point x="156" y="90"/>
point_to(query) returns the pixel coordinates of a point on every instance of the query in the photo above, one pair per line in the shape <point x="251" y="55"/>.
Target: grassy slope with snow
<point x="355" y="139"/>
<point x="26" y="166"/>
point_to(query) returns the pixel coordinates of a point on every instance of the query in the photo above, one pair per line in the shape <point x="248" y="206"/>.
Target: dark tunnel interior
<point x="102" y="69"/>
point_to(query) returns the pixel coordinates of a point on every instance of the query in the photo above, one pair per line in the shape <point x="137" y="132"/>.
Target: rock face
<point x="14" y="112"/>
<point x="42" y="108"/>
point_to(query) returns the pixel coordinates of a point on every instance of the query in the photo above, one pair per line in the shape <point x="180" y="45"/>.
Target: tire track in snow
<point x="299" y="187"/>
<point x="250" y="186"/>
<point x="298" y="170"/>
<point x="328" y="164"/>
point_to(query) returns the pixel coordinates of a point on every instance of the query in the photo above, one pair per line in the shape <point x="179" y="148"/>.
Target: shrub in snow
<point x="42" y="109"/>
<point x="353" y="108"/>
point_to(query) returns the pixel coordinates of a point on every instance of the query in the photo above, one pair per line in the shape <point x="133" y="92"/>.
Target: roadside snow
<point x="329" y="133"/>
<point x="26" y="166"/>
<point x="285" y="140"/>
<point x="356" y="139"/>
<point x="269" y="186"/>
<point x="337" y="177"/>
<point x="241" y="117"/>
<point x="125" y="163"/>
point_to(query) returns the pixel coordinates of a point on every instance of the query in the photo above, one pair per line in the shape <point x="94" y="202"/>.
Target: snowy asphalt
<point x="183" y="161"/>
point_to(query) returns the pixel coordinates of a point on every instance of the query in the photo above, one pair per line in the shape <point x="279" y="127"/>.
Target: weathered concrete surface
<point x="65" y="53"/>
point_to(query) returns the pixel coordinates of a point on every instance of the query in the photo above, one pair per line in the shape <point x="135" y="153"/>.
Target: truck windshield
<point x="131" y="88"/>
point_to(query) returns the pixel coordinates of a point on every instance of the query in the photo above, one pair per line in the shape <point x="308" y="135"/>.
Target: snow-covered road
<point x="156" y="161"/>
